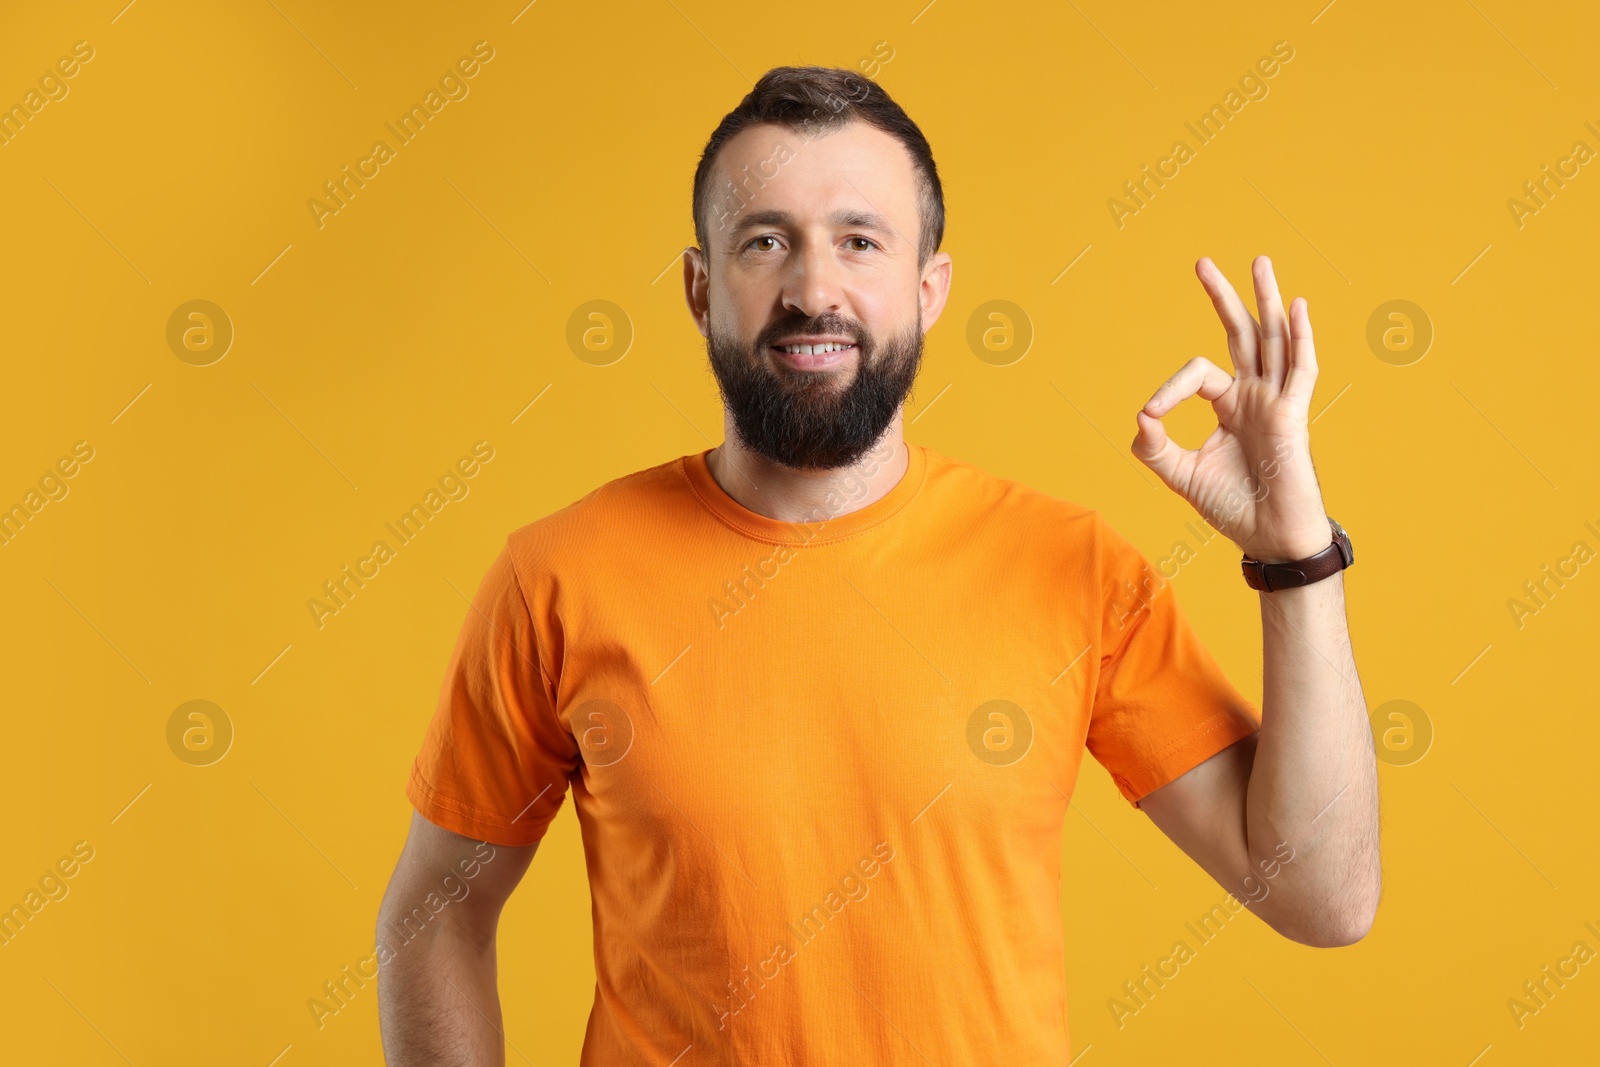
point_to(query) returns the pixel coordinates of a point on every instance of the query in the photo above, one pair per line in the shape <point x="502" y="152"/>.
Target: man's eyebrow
<point x="853" y="217"/>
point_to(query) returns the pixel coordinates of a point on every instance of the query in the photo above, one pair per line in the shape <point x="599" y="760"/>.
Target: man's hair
<point x="818" y="100"/>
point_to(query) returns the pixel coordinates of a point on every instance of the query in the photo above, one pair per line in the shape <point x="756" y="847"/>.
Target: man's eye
<point x="868" y="242"/>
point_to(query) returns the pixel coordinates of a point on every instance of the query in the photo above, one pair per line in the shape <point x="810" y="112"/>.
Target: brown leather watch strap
<point x="1269" y="577"/>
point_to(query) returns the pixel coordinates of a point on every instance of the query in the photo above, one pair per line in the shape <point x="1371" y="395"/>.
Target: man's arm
<point x="1286" y="819"/>
<point x="1305" y="786"/>
<point x="438" y="1004"/>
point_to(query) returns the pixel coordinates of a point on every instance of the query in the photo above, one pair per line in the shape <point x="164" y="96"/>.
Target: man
<point x="821" y="695"/>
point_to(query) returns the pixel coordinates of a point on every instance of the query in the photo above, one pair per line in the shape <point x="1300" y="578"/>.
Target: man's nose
<point x="814" y="285"/>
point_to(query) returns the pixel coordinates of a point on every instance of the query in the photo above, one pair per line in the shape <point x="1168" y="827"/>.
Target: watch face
<point x="1343" y="541"/>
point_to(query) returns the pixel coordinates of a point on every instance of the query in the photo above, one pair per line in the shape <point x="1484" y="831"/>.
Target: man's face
<point x="818" y="244"/>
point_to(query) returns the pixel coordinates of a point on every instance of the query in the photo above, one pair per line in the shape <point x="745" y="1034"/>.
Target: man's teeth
<point x="813" y="350"/>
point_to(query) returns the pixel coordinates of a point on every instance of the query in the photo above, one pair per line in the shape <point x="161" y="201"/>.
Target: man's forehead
<point x="855" y="169"/>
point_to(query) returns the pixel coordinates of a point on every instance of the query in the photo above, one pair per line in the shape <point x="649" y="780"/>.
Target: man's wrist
<point x="1269" y="573"/>
<point x="1290" y="551"/>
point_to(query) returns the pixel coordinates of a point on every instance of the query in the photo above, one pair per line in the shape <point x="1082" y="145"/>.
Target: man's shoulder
<point x="1019" y="505"/>
<point x="629" y="506"/>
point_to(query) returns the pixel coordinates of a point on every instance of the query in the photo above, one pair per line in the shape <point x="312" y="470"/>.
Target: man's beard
<point x="803" y="419"/>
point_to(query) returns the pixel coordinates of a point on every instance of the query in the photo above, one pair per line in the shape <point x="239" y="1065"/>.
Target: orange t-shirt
<point x="820" y="768"/>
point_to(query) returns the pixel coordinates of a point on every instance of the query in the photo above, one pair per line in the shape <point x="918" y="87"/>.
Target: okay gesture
<point x="1252" y="479"/>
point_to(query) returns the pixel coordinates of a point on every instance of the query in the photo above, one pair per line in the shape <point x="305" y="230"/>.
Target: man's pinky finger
<point x="1302" y="374"/>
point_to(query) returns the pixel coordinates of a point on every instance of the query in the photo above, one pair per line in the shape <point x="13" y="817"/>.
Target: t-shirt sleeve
<point x="1162" y="704"/>
<point x="495" y="760"/>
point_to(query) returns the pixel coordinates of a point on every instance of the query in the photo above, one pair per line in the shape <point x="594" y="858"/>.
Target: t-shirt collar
<point x="831" y="523"/>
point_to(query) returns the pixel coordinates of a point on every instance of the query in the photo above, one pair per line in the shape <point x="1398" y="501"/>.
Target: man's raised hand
<point x="1252" y="479"/>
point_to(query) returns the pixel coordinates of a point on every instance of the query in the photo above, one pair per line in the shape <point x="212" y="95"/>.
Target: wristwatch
<point x="1269" y="577"/>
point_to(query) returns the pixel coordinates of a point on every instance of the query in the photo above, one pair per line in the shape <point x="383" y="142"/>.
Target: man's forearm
<point x="438" y="1004"/>
<point x="1314" y="782"/>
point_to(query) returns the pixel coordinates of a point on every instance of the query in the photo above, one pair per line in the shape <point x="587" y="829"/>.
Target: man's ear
<point x="696" y="287"/>
<point x="935" y="288"/>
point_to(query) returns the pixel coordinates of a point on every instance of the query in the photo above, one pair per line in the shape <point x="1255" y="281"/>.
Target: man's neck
<point x="788" y="495"/>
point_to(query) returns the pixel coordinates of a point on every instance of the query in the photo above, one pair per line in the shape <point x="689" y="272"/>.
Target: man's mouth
<point x="815" y="349"/>
<point x="818" y="356"/>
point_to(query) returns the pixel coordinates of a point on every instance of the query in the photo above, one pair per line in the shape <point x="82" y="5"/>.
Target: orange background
<point x="431" y="311"/>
